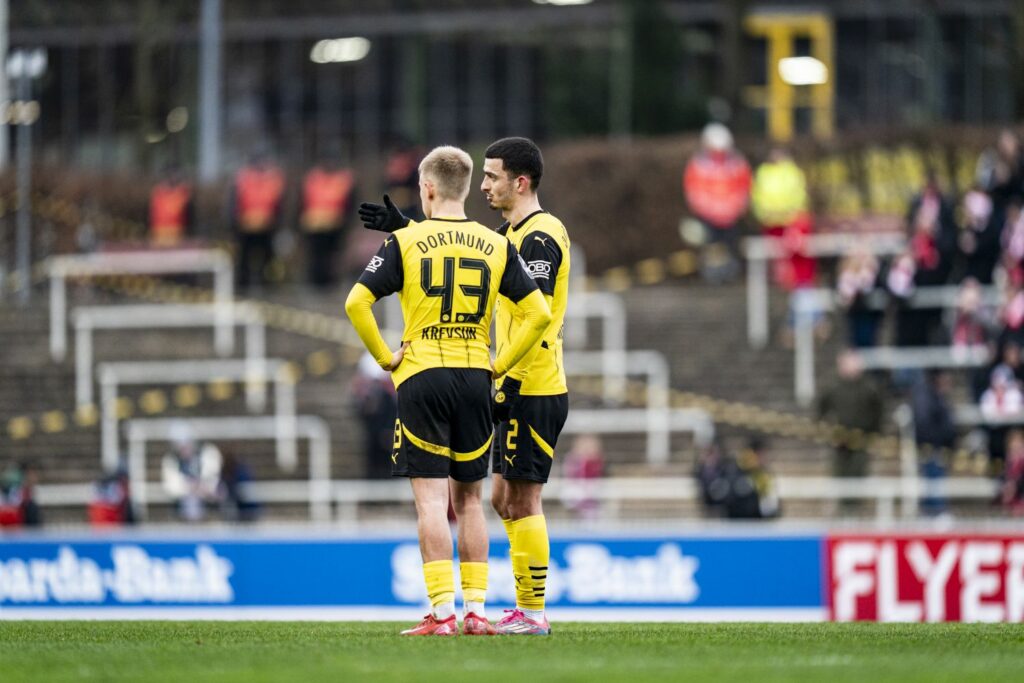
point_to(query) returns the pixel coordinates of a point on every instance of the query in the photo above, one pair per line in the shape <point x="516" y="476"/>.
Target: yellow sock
<point x="440" y="578"/>
<point x="530" y="561"/>
<point x="510" y="529"/>
<point x="474" y="586"/>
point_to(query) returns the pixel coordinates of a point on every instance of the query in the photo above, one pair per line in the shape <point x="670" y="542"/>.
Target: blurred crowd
<point x="270" y="212"/>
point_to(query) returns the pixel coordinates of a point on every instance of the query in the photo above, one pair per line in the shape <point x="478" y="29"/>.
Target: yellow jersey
<point x="448" y="274"/>
<point x="543" y="244"/>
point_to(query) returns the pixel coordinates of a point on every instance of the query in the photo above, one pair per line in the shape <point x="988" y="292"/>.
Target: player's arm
<point x="517" y="285"/>
<point x="382" y="276"/>
<point x="543" y="258"/>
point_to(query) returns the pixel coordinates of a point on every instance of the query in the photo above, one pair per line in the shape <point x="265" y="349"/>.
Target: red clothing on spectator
<point x="717" y="187"/>
<point x="168" y="213"/>
<point x="259" y="196"/>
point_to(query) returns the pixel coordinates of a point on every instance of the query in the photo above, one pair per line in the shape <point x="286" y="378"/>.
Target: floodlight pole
<point x="210" y="42"/>
<point x="24" y="181"/>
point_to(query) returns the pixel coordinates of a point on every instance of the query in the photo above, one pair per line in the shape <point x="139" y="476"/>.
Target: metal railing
<point x="348" y="495"/>
<point x="152" y="262"/>
<point x="809" y="303"/>
<point x="760" y="250"/>
<point x="113" y="375"/>
<point x="317" y="489"/>
<point x="86" y="320"/>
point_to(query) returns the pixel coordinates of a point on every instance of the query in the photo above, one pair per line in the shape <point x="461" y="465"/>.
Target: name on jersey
<point x="452" y="238"/>
<point x="435" y="332"/>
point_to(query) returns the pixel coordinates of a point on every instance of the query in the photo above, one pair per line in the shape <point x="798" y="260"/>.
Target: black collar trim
<point x="523" y="222"/>
<point x="451" y="220"/>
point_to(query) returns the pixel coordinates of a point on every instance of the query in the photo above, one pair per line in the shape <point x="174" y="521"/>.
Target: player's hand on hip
<point x="505" y="399"/>
<point x="398" y="357"/>
<point x="384" y="217"/>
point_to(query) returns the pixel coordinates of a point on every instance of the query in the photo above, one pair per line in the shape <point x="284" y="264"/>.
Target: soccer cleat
<point x="431" y="626"/>
<point x="472" y="625"/>
<point x="518" y="624"/>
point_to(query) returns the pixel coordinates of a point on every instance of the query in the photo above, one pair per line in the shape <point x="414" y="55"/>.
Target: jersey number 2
<point x="446" y="290"/>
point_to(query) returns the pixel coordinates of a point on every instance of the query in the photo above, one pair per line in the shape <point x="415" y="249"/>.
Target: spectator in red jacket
<point x="716" y="183"/>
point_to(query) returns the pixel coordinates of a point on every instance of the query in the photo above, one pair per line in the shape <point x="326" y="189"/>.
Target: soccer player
<point x="531" y="406"/>
<point x="532" y="403"/>
<point x="448" y="272"/>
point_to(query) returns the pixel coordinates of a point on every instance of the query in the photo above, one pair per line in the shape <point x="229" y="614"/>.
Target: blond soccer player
<point x="448" y="272"/>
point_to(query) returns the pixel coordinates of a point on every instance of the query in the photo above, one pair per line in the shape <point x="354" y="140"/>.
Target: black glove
<point x="386" y="218"/>
<point x="504" y="399"/>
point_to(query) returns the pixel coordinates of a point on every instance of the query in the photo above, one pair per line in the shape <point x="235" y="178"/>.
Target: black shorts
<point x="524" y="447"/>
<point x="443" y="428"/>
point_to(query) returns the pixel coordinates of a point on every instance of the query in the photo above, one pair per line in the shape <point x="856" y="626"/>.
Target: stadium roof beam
<point x="493" y="20"/>
<point x="406" y="23"/>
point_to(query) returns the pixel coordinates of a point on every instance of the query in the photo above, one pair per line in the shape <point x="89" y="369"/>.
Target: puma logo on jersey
<point x="542" y="240"/>
<point x="387" y="241"/>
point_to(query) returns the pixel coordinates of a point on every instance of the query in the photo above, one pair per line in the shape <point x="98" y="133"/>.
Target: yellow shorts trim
<point x="542" y="443"/>
<point x="445" y="451"/>
<point x="473" y="455"/>
<point x="426" y="445"/>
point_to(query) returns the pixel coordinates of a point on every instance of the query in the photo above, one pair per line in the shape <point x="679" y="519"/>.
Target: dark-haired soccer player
<point x="532" y="412"/>
<point x="448" y="272"/>
<point x="532" y="403"/>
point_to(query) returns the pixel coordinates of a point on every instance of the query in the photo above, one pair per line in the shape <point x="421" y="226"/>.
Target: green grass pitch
<point x="149" y="652"/>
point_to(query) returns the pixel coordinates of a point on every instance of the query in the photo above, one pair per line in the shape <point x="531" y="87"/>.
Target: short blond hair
<point x="450" y="169"/>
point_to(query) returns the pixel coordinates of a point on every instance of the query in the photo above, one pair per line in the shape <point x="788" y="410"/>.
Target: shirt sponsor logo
<point x="539" y="270"/>
<point x="375" y="263"/>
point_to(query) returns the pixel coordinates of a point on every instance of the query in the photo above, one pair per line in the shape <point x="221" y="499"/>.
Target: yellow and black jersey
<point x="543" y="244"/>
<point x="448" y="274"/>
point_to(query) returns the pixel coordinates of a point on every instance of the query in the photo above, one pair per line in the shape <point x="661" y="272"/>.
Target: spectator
<point x="1012" y="490"/>
<point x="171" y="209"/>
<point x="233" y="490"/>
<point x="727" y="489"/>
<point x="716" y="184"/>
<point x="402" y="176"/>
<point x="857" y="281"/>
<point x="1012" y="238"/>
<point x="934" y="432"/>
<point x="582" y="467"/>
<point x="753" y="463"/>
<point x="900" y="284"/>
<point x="18" y="506"/>
<point x="373" y="395"/>
<point x="855" y="404"/>
<point x="255" y="208"/>
<point x="932" y="242"/>
<point x="711" y="475"/>
<point x="780" y="204"/>
<point x="112" y="503"/>
<point x="190" y="473"/>
<point x="326" y="202"/>
<point x="980" y="236"/>
<point x="970" y="322"/>
<point x="1002" y="399"/>
<point x="1001" y="170"/>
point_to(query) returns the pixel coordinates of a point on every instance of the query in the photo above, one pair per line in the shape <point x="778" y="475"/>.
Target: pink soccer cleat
<point x="472" y="625"/>
<point x="518" y="624"/>
<point x="430" y="626"/>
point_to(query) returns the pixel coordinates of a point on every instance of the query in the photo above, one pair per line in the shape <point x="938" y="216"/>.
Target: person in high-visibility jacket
<point x="780" y="203"/>
<point x="256" y="200"/>
<point x="170" y="210"/>
<point x="326" y="203"/>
